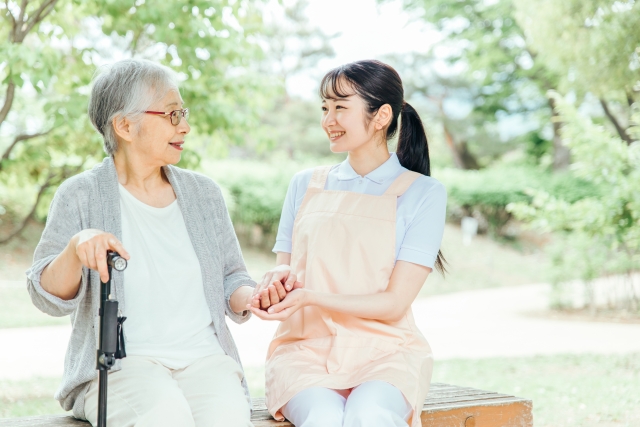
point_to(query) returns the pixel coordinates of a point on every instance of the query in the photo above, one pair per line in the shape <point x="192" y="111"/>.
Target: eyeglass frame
<point x="180" y="113"/>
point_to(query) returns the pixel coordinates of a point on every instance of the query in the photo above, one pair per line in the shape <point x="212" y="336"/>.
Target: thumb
<point x="276" y="308"/>
<point x="298" y="285"/>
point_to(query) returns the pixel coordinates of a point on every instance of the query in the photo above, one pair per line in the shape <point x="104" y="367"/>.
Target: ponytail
<point x="413" y="154"/>
<point x="413" y="150"/>
<point x="378" y="84"/>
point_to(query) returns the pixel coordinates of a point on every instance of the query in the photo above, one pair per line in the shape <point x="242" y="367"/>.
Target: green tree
<point x="611" y="220"/>
<point x="502" y="74"/>
<point x="594" y="46"/>
<point x="51" y="48"/>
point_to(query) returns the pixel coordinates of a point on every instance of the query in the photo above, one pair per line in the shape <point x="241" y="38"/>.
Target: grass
<point x="29" y="397"/>
<point x="567" y="390"/>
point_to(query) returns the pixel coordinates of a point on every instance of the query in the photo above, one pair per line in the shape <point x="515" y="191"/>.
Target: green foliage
<point x="255" y="190"/>
<point x="592" y="44"/>
<point x="609" y="219"/>
<point x="47" y="137"/>
<point x="486" y="193"/>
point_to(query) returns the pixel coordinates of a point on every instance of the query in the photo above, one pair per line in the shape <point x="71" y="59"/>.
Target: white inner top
<point x="167" y="315"/>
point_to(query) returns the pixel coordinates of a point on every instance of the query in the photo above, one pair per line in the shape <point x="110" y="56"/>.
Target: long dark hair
<point x="379" y="84"/>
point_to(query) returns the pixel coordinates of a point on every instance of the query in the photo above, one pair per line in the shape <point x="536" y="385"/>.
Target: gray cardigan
<point x="92" y="200"/>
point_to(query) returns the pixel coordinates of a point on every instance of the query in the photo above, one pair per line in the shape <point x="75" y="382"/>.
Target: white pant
<point x="371" y="404"/>
<point x="145" y="393"/>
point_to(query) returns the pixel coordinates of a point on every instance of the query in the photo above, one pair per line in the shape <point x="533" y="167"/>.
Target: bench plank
<point x="445" y="406"/>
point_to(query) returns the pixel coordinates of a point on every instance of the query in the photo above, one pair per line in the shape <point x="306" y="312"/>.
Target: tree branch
<point x="20" y="19"/>
<point x="16" y="140"/>
<point x="621" y="132"/>
<point x="13" y="20"/>
<point x="8" y="100"/>
<point x="64" y="174"/>
<point x="24" y="223"/>
<point x="45" y="8"/>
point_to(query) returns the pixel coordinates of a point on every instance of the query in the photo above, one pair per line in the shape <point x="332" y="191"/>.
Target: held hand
<point x="91" y="247"/>
<point x="272" y="295"/>
<point x="295" y="300"/>
<point x="274" y="286"/>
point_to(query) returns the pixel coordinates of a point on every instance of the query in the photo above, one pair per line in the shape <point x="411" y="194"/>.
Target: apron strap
<point x="402" y="183"/>
<point x="319" y="177"/>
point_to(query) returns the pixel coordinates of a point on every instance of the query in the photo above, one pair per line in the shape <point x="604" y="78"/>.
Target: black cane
<point x="111" y="344"/>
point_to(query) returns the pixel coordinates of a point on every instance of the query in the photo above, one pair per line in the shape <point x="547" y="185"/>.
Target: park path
<point x="503" y="322"/>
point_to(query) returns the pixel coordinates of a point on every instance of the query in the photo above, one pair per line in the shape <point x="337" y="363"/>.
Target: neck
<point x="134" y="172"/>
<point x="369" y="157"/>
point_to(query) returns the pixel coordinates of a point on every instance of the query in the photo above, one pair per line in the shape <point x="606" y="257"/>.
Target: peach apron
<point x="344" y="242"/>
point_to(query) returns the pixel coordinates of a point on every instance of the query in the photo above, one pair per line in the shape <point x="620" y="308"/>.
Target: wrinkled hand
<point x="274" y="286"/>
<point x="91" y="249"/>
<point x="294" y="300"/>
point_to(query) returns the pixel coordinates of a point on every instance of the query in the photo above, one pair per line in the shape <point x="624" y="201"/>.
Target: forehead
<point x="337" y="89"/>
<point x="171" y="99"/>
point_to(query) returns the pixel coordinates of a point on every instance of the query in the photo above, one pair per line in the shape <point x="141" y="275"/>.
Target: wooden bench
<point x="445" y="406"/>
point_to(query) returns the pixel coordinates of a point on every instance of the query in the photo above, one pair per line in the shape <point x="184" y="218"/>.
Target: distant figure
<point x="361" y="237"/>
<point x="185" y="270"/>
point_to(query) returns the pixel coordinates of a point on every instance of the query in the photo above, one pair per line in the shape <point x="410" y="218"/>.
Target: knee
<point x="170" y="409"/>
<point x="372" y="416"/>
<point x="321" y="419"/>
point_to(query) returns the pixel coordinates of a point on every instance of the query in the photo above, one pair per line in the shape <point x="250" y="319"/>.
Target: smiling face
<point x="346" y="123"/>
<point x="154" y="139"/>
<point x="157" y="137"/>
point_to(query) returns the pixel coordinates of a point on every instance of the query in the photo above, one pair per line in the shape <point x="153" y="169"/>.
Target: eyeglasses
<point x="175" y="115"/>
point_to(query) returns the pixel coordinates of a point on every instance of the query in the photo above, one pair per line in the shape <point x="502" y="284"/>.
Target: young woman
<point x="355" y="244"/>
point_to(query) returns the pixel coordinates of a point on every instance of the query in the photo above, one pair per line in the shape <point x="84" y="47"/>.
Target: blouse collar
<point x="386" y="171"/>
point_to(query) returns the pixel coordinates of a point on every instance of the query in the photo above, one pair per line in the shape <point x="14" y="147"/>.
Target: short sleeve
<point x="292" y="201"/>
<point x="424" y="232"/>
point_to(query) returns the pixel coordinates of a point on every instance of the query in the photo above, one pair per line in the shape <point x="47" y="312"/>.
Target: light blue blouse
<point x="420" y="215"/>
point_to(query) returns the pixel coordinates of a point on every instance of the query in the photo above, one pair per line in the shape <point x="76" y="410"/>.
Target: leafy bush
<point x="254" y="192"/>
<point x="486" y="193"/>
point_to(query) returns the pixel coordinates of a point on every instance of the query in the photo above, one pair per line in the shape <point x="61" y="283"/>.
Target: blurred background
<point x="532" y="110"/>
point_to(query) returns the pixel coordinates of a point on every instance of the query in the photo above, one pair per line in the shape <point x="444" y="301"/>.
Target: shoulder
<point x="79" y="186"/>
<point x="427" y="189"/>
<point x="192" y="180"/>
<point x="301" y="180"/>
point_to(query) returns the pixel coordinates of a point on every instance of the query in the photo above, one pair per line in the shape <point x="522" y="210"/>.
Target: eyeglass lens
<point x="177" y="115"/>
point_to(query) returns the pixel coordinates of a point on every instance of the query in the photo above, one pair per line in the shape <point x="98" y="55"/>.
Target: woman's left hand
<point x="295" y="300"/>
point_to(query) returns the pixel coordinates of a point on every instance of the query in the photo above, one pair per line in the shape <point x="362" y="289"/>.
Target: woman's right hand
<point x="91" y="247"/>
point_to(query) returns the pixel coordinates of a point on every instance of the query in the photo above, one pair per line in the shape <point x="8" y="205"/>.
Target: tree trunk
<point x="561" y="154"/>
<point x="462" y="157"/>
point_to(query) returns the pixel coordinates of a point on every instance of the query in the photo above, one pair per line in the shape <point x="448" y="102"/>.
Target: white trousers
<point x="371" y="404"/>
<point x="145" y="393"/>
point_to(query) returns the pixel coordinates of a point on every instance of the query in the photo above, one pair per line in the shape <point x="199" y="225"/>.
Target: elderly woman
<point x="185" y="271"/>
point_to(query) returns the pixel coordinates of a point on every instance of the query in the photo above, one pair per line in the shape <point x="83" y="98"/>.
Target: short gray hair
<point x="126" y="89"/>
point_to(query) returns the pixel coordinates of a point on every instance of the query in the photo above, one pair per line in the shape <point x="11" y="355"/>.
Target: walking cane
<point x="111" y="344"/>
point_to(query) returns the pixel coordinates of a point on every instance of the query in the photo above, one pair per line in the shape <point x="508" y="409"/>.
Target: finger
<point x="256" y="311"/>
<point x="264" y="299"/>
<point x="91" y="257"/>
<point x="116" y="245"/>
<point x="255" y="301"/>
<point x="290" y="281"/>
<point x="266" y="316"/>
<point x="264" y="283"/>
<point x="298" y="285"/>
<point x="284" y="304"/>
<point x="101" y="263"/>
<point x="282" y="292"/>
<point x="273" y="295"/>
